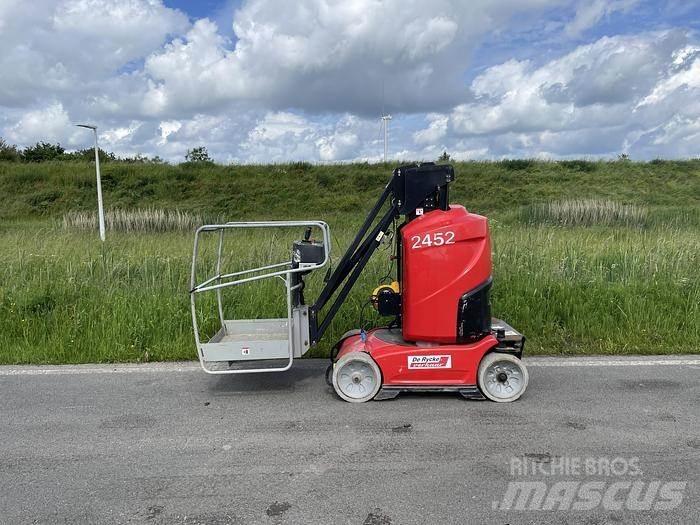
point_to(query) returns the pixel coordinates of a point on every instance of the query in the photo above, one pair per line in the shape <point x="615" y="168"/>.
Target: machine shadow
<point x="296" y="378"/>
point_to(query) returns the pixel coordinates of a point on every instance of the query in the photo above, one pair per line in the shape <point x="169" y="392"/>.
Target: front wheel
<point x="502" y="377"/>
<point x="356" y="377"/>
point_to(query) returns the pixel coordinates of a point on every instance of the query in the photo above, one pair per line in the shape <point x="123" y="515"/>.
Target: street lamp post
<point x="100" y="209"/>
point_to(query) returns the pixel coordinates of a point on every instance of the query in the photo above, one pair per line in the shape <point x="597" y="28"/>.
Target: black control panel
<point x="307" y="252"/>
<point x="422" y="186"/>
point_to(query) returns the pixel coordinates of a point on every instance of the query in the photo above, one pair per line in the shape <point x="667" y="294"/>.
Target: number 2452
<point x="436" y="239"/>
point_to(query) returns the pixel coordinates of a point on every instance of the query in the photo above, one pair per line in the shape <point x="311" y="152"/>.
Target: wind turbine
<point x="385" y="124"/>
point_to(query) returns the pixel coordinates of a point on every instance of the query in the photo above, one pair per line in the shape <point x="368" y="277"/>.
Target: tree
<point x="42" y="151"/>
<point x="9" y="152"/>
<point x="444" y="157"/>
<point x="197" y="155"/>
<point x="88" y="155"/>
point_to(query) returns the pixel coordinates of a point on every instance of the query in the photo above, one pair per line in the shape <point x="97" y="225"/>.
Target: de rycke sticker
<point x="429" y="361"/>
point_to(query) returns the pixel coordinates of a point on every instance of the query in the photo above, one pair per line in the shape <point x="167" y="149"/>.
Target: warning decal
<point x="429" y="361"/>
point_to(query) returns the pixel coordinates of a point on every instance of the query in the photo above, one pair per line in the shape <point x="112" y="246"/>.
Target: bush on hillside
<point x="88" y="154"/>
<point x="43" y="151"/>
<point x="9" y="152"/>
<point x="198" y="155"/>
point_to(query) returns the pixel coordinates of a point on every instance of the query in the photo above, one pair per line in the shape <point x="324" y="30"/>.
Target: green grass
<point x="610" y="286"/>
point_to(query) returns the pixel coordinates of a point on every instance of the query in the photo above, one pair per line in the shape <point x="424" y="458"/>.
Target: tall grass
<point x="613" y="288"/>
<point x="65" y="297"/>
<point x="586" y="212"/>
<point x="138" y="220"/>
<point x="600" y="290"/>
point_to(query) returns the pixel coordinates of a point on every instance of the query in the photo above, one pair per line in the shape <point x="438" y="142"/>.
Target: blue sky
<point x="220" y="11"/>
<point x="201" y="8"/>
<point x="307" y="80"/>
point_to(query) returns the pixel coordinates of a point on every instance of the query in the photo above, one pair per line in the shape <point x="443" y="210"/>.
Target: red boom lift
<point x="442" y="336"/>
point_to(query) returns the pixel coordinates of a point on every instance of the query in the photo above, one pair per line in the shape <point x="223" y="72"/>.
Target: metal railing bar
<point x="212" y="279"/>
<point x="218" y="272"/>
<point x="243" y="272"/>
<point x="198" y="289"/>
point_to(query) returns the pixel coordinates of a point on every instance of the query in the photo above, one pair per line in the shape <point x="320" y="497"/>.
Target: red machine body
<point x="444" y="255"/>
<point x="443" y="337"/>
<point x="404" y="364"/>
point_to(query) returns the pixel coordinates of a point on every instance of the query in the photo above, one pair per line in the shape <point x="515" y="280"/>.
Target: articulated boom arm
<point x="411" y="188"/>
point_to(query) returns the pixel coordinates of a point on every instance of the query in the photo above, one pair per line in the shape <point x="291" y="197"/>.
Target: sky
<point x="277" y="80"/>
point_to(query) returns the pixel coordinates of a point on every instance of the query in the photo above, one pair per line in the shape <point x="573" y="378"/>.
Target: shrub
<point x="42" y="152"/>
<point x="198" y="155"/>
<point x="9" y="152"/>
<point x="517" y="164"/>
<point x="88" y="155"/>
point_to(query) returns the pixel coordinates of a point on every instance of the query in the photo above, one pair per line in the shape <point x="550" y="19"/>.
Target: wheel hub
<point x="504" y="379"/>
<point x="356" y="378"/>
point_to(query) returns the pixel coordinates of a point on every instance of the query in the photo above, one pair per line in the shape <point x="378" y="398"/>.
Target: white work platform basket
<point x="250" y="345"/>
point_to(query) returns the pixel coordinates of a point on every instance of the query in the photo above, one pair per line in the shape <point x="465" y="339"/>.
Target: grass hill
<point x="52" y="188"/>
<point x="589" y="257"/>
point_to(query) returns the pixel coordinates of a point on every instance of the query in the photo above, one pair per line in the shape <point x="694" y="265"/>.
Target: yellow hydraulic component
<point x="394" y="287"/>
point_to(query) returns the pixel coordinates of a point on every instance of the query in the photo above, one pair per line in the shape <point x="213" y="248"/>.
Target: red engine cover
<point x="445" y="254"/>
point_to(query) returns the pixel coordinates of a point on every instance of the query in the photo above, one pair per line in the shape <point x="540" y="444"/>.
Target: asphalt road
<point x="170" y="444"/>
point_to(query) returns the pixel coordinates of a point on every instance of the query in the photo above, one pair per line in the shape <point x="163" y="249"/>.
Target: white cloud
<point x="320" y="56"/>
<point x="281" y="136"/>
<point x="277" y="125"/>
<point x="339" y="146"/>
<point x="436" y="130"/>
<point x="500" y="79"/>
<point x="687" y="76"/>
<point x="639" y="94"/>
<point x="589" y="13"/>
<point x="303" y="80"/>
<point x="50" y="124"/>
<point x="73" y="47"/>
<point x="168" y="127"/>
<point x="106" y="34"/>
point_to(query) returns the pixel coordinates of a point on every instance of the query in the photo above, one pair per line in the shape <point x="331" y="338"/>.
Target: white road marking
<point x="193" y="366"/>
<point x="611" y="361"/>
<point x="30" y="370"/>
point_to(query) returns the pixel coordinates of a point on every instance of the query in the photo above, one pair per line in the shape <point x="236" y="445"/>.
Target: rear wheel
<point x="502" y="377"/>
<point x="356" y="377"/>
